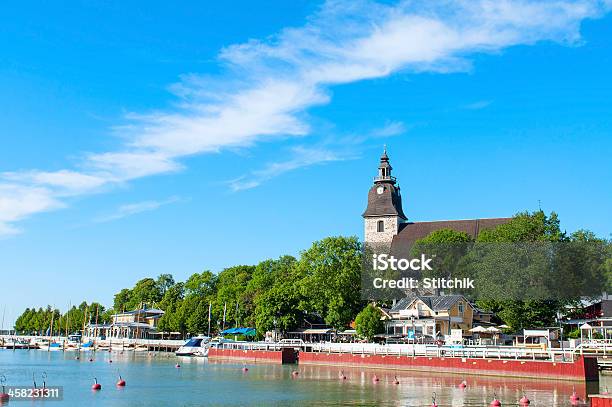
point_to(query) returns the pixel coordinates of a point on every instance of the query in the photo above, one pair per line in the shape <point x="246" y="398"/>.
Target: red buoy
<point x="91" y="359"/>
<point x="375" y="379"/>
<point x="341" y="375"/>
<point x="121" y="382"/>
<point x="395" y="381"/>
<point x="495" y="402"/>
<point x="462" y="385"/>
<point x="245" y="369"/>
<point x="574" y="397"/>
<point x="295" y="373"/>
<point x="433" y="400"/>
<point x="110" y="361"/>
<point x="96" y="385"/>
<point x="4" y="397"/>
<point x="524" y="401"/>
<point x="177" y="366"/>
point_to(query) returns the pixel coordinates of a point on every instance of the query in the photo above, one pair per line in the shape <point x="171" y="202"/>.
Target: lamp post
<point x="559" y="316"/>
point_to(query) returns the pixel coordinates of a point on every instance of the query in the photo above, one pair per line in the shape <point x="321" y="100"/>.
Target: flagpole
<point x="224" y="311"/>
<point x="209" y="311"/>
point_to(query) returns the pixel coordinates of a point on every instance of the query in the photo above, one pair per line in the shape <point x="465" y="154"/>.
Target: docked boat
<point x="15" y="343"/>
<point x="196" y="346"/>
<point x="53" y="346"/>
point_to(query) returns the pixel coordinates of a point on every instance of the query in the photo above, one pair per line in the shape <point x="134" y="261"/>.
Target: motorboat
<point x="196" y="346"/>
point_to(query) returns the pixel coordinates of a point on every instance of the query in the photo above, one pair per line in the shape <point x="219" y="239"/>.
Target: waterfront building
<point x="434" y="316"/>
<point x="137" y="324"/>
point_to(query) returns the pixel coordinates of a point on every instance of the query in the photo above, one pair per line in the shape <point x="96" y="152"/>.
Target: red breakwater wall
<point x="584" y="369"/>
<point x="284" y="356"/>
<point x="601" y="400"/>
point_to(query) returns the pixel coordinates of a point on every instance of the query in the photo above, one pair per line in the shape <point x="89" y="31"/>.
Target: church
<point x="388" y="227"/>
<point x="386" y="224"/>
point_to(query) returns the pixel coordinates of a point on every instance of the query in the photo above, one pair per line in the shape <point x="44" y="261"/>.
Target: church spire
<point x="384" y="169"/>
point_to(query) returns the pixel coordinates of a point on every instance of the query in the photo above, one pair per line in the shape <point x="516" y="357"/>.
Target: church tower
<point x="384" y="213"/>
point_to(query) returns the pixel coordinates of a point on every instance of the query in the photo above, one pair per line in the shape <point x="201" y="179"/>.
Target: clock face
<point x="380" y="190"/>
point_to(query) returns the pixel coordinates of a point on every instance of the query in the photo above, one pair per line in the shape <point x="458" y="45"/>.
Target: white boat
<point x="196" y="346"/>
<point x="53" y="346"/>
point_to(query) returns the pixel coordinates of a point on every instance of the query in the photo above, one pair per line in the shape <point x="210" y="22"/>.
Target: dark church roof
<point x="412" y="231"/>
<point x="387" y="203"/>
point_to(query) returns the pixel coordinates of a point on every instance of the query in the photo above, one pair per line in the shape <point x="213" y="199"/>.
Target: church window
<point x="381" y="226"/>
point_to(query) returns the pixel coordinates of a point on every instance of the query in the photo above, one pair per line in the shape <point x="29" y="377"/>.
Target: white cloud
<point x="65" y="180"/>
<point x="135" y="208"/>
<point x="270" y="84"/>
<point x="391" y="129"/>
<point x="481" y="104"/>
<point x="18" y="202"/>
<point x="301" y="157"/>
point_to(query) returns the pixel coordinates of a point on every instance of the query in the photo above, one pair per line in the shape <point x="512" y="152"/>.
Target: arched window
<point x="381" y="226"/>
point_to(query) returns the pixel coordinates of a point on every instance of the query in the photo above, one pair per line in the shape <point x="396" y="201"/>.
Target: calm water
<point x="153" y="380"/>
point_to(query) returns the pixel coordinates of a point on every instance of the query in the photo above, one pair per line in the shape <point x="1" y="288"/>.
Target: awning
<point x="479" y="329"/>
<point x="240" y="331"/>
<point x="317" y="331"/>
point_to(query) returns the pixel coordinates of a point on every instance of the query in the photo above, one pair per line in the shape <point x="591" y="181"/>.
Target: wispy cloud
<point x="301" y="157"/>
<point x="481" y="104"/>
<point x="269" y="85"/>
<point x="391" y="129"/>
<point x="135" y="208"/>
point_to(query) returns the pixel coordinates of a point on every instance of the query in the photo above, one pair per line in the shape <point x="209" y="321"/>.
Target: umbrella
<point x="492" y="329"/>
<point x="479" y="329"/>
<point x="504" y="326"/>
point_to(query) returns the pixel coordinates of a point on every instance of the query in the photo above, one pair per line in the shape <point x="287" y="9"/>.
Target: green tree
<point x="368" y="322"/>
<point x="278" y="307"/>
<point x="510" y="260"/>
<point x="144" y="292"/>
<point x="163" y="283"/>
<point x="122" y="300"/>
<point x="331" y="279"/>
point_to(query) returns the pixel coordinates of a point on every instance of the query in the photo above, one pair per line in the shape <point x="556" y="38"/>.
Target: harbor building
<point x="429" y="315"/>
<point x="137" y="324"/>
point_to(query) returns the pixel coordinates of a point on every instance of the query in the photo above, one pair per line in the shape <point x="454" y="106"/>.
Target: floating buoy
<point x="245" y="369"/>
<point x="574" y="397"/>
<point x="91" y="359"/>
<point x="77" y="358"/>
<point x="295" y="373"/>
<point x="495" y="402"/>
<point x="524" y="401"/>
<point x="121" y="382"/>
<point x="96" y="385"/>
<point x="110" y="361"/>
<point x="4" y="396"/>
<point x="433" y="400"/>
<point x="341" y="375"/>
<point x="177" y="366"/>
<point x="462" y="385"/>
<point x="375" y="379"/>
<point x="395" y="381"/>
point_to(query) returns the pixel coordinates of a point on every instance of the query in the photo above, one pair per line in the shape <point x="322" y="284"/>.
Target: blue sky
<point x="154" y="138"/>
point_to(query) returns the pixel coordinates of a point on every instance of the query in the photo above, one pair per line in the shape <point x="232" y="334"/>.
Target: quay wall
<point x="601" y="400"/>
<point x="283" y="356"/>
<point x="583" y="369"/>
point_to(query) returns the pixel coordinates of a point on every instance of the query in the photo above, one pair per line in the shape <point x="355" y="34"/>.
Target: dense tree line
<point x="44" y="321"/>
<point x="323" y="282"/>
<point x="529" y="270"/>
